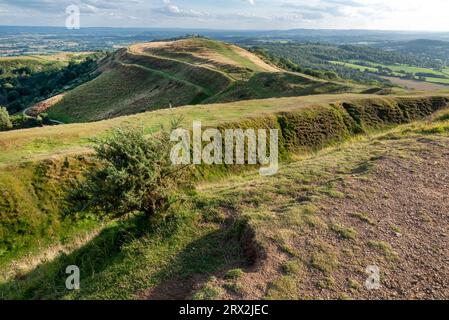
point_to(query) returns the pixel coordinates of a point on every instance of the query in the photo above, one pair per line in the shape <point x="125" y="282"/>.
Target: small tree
<point x="134" y="174"/>
<point x="5" y="121"/>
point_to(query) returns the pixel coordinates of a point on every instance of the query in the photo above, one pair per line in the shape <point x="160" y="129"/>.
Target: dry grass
<point x="41" y="143"/>
<point x="207" y="52"/>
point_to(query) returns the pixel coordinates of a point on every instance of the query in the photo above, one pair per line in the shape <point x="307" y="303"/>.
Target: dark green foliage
<point x="21" y="86"/>
<point x="434" y="53"/>
<point x="5" y="121"/>
<point x="135" y="173"/>
<point x="20" y="121"/>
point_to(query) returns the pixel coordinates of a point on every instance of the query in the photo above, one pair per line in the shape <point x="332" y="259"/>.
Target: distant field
<point x="355" y="66"/>
<point x="437" y="80"/>
<point x="35" y="62"/>
<point x="417" y="85"/>
<point x="441" y="77"/>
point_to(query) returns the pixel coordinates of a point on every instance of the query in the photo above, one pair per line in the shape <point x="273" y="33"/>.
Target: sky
<point x="409" y="15"/>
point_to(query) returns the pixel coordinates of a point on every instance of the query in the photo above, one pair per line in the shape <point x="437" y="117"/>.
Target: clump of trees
<point x="5" y="121"/>
<point x="315" y="59"/>
<point x="134" y="174"/>
<point x="22" y="86"/>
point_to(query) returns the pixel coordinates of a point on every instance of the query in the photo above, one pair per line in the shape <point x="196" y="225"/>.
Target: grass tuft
<point x="362" y="216"/>
<point x="384" y="247"/>
<point x="234" y="274"/>
<point x="344" y="232"/>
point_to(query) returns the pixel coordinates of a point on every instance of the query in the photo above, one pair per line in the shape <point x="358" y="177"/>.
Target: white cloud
<point x="254" y="14"/>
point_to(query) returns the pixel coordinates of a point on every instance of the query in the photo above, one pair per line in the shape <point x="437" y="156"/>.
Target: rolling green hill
<point x="192" y="71"/>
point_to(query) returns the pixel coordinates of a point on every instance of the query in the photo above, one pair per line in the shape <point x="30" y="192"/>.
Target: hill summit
<point x="158" y="75"/>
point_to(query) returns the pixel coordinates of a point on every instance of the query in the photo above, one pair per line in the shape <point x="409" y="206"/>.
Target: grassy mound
<point x="145" y="77"/>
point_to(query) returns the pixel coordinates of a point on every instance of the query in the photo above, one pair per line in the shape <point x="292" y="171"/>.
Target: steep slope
<point x="160" y="75"/>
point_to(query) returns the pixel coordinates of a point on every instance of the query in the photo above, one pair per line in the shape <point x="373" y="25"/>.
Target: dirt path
<point x="34" y="111"/>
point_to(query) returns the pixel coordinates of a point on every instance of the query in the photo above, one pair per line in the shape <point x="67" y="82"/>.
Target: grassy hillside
<point x="58" y="153"/>
<point x="145" y="76"/>
<point x="43" y="143"/>
<point x="219" y="240"/>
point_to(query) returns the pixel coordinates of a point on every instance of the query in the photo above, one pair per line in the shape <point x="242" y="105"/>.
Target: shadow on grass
<point x="184" y="256"/>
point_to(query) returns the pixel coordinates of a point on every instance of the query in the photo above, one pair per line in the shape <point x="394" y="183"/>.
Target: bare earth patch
<point x="43" y="106"/>
<point x="194" y="48"/>
<point x="393" y="215"/>
<point x="407" y="200"/>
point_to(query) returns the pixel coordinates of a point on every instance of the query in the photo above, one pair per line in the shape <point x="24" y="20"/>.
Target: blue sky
<point x="235" y="14"/>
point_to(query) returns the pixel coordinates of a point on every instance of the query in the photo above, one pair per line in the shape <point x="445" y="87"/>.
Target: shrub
<point x="134" y="173"/>
<point x="5" y="121"/>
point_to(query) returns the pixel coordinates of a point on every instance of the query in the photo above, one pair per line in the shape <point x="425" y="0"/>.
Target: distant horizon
<point x="224" y="29"/>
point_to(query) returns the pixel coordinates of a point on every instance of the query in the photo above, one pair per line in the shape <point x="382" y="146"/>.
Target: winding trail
<point x="26" y="115"/>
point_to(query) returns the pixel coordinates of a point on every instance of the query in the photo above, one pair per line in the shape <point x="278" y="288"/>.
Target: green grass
<point x="344" y="232"/>
<point x="208" y="292"/>
<point x="37" y="63"/>
<point x="234" y="274"/>
<point x="284" y="288"/>
<point x="384" y="247"/>
<point x="33" y="203"/>
<point x="41" y="143"/>
<point x="117" y="92"/>
<point x="320" y="126"/>
<point x="131" y="256"/>
<point x="437" y="80"/>
<point x="192" y="51"/>
<point x="363" y="217"/>
<point x="265" y="85"/>
<point x="402" y="69"/>
<point x="229" y="52"/>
